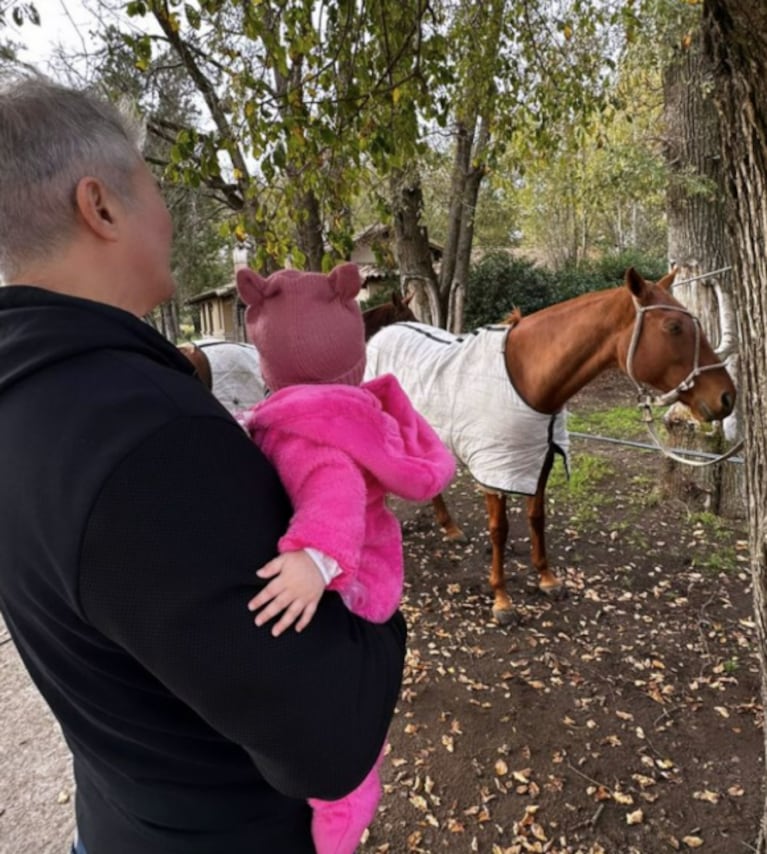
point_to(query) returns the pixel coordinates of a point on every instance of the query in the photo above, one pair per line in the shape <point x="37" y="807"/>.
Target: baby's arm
<point x="298" y="580"/>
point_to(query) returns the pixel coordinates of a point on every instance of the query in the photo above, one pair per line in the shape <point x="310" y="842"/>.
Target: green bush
<point x="499" y="283"/>
<point x="608" y="271"/>
<point x="611" y="268"/>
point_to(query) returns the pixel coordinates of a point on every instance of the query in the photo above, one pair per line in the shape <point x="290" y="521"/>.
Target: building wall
<point x="217" y="318"/>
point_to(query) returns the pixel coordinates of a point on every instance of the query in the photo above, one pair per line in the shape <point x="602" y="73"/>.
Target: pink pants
<point x="337" y="826"/>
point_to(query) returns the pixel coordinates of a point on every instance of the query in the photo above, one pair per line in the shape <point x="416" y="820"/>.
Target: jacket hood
<point x="375" y="424"/>
<point x="39" y="328"/>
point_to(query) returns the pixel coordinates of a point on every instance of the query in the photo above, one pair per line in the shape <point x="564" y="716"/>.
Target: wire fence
<point x="647" y="447"/>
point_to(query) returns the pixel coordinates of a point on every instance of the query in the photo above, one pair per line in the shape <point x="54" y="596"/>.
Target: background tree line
<point x="290" y="125"/>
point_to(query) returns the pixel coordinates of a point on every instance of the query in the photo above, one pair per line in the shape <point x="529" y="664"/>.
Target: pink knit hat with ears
<point x="307" y="327"/>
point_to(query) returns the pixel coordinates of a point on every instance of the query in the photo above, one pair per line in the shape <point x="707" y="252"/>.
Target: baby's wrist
<point x="327" y="566"/>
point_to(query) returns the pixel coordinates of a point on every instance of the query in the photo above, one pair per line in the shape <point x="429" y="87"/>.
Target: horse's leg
<point x="498" y="526"/>
<point x="536" y="519"/>
<point x="445" y="520"/>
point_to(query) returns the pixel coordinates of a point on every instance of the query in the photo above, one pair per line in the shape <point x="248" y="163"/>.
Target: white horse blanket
<point x="461" y="386"/>
<point x="236" y="371"/>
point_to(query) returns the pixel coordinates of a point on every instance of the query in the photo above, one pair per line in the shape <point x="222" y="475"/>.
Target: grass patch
<point x="584" y="489"/>
<point x="719" y="559"/>
<point x="716" y="527"/>
<point x="719" y="553"/>
<point x="620" y="422"/>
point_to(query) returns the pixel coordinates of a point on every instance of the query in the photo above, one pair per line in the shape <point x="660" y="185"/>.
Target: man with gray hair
<point x="134" y="513"/>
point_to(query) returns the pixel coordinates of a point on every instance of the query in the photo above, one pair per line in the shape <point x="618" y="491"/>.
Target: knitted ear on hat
<point x="251" y="287"/>
<point x="345" y="280"/>
<point x="257" y="293"/>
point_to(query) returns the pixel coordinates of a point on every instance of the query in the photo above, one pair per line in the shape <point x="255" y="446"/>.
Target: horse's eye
<point x="673" y="327"/>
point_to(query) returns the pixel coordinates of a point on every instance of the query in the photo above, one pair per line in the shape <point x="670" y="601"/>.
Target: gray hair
<point x="50" y="138"/>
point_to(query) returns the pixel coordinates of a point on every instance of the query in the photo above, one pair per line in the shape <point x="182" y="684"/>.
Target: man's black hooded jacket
<point x="134" y="513"/>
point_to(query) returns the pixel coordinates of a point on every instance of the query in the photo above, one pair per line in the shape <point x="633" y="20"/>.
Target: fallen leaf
<point x="706" y="795"/>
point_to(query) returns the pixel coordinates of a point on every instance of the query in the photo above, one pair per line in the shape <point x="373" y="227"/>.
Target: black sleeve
<point x="167" y="568"/>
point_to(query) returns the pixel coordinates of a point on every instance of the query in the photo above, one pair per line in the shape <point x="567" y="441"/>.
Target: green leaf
<point x="136" y="7"/>
<point x="193" y="16"/>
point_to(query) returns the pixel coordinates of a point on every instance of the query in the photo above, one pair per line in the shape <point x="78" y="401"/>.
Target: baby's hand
<point x="295" y="589"/>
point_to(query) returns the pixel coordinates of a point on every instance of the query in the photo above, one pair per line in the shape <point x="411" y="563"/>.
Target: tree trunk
<point x="697" y="245"/>
<point x="308" y="229"/>
<point x="468" y="172"/>
<point x="736" y="43"/>
<point x="416" y="270"/>
<point x="475" y="110"/>
<point x="288" y="87"/>
<point x="169" y="321"/>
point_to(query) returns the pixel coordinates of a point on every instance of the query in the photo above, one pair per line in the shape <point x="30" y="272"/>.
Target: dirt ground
<point x="624" y="719"/>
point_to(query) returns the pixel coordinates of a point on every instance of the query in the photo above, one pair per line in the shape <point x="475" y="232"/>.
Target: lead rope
<point x="647" y="400"/>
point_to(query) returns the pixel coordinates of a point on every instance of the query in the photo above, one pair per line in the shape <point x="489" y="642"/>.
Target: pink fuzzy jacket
<point x="339" y="450"/>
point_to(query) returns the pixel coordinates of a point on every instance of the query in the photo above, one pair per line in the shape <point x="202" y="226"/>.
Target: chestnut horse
<point x="547" y="357"/>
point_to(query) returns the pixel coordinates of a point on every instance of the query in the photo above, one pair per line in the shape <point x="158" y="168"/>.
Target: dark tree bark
<point x="735" y="33"/>
<point x="698" y="245"/>
<point x="474" y="114"/>
<point x="414" y="257"/>
<point x="472" y="140"/>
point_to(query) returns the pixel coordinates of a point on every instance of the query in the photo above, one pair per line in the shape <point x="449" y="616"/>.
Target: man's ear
<point x="96" y="205"/>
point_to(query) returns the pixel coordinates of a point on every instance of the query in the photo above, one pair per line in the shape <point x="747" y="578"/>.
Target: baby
<point x="340" y="447"/>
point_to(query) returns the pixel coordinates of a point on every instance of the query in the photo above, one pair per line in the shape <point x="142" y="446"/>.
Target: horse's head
<point x="396" y="311"/>
<point x="402" y="310"/>
<point x="200" y="362"/>
<point x="667" y="350"/>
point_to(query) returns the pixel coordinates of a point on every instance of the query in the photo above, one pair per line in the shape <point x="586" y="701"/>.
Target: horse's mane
<point x="513" y="317"/>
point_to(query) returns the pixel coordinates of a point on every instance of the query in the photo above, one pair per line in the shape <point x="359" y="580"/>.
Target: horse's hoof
<point x="557" y="593"/>
<point x="506" y="616"/>
<point x="456" y="536"/>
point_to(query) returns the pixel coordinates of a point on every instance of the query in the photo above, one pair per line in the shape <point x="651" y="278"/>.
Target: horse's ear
<point x="396" y="299"/>
<point x="252" y="288"/>
<point x="635" y="283"/>
<point x="345" y="280"/>
<point x="408" y="299"/>
<point x="668" y="279"/>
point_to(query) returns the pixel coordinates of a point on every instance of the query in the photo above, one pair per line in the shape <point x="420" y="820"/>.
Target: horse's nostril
<point x="727" y="402"/>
